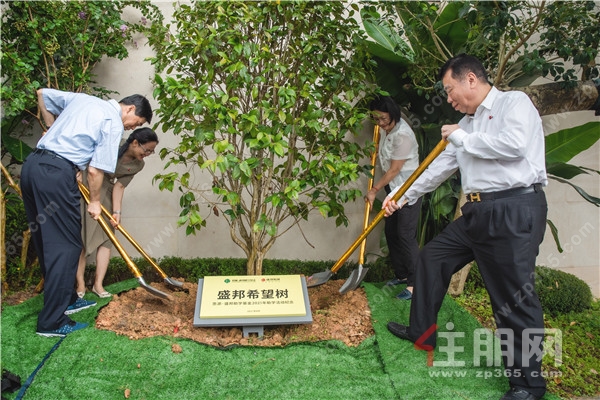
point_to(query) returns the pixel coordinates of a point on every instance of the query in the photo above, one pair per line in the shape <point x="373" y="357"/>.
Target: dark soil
<point x="138" y="314"/>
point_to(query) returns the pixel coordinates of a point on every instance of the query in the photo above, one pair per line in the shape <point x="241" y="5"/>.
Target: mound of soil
<point x="138" y="314"/>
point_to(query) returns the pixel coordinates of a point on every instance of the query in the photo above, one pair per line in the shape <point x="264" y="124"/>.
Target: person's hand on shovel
<point x="390" y="206"/>
<point x="371" y="194"/>
<point x="116" y="218"/>
<point x="447" y="130"/>
<point x="94" y="209"/>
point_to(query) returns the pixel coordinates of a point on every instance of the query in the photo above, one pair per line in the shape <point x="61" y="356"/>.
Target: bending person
<point x="140" y="144"/>
<point x="83" y="133"/>
<point x="399" y="158"/>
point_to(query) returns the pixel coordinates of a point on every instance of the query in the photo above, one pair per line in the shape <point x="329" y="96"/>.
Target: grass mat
<point x="453" y="374"/>
<point x="99" y="364"/>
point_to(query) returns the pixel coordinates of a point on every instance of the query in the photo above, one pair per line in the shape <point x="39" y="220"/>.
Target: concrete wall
<point x="151" y="215"/>
<point x="577" y="221"/>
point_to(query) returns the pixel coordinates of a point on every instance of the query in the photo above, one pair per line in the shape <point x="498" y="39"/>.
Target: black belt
<point x="53" y="154"/>
<point x="478" y="196"/>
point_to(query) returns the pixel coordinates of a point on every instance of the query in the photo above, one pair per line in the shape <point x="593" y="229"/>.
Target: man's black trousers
<point x="503" y="237"/>
<point x="52" y="204"/>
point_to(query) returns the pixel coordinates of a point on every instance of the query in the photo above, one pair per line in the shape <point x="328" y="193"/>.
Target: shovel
<point x="130" y="264"/>
<point x="322" y="277"/>
<point x="135" y="244"/>
<point x="357" y="275"/>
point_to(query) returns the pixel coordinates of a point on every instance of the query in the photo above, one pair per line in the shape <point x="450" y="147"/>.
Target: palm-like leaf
<point x="592" y="199"/>
<point x="564" y="170"/>
<point x="388" y="45"/>
<point x="565" y="144"/>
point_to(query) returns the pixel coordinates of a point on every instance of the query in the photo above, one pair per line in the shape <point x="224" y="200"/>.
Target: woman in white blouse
<point x="398" y="157"/>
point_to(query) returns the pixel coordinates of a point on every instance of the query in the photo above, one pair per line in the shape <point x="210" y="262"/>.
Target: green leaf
<point x="451" y="28"/>
<point x="592" y="199"/>
<point x="554" y="231"/>
<point x="388" y="45"/>
<point x="195" y="219"/>
<point x="563" y="170"/>
<point x="567" y="143"/>
<point x="279" y="149"/>
<point x="17" y="148"/>
<point x="272" y="229"/>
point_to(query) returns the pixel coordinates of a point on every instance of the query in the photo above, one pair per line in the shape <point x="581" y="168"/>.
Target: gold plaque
<point x="251" y="296"/>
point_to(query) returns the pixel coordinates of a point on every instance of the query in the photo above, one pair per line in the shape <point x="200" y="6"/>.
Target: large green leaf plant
<point x="410" y="40"/>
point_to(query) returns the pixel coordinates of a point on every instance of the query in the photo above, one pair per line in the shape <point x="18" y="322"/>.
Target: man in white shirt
<point x="498" y="146"/>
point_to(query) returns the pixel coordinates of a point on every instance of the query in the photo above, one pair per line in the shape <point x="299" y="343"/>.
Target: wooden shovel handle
<point x="131" y="240"/>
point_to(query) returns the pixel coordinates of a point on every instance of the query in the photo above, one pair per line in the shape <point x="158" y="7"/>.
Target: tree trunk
<point x="3" y="243"/>
<point x="255" y="261"/>
<point x="555" y="98"/>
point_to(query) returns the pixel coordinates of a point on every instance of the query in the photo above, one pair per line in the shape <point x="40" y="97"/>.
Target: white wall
<point x="577" y="221"/>
<point x="151" y="215"/>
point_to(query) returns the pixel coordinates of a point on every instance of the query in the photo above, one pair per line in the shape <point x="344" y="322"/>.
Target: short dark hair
<point x="142" y="106"/>
<point x="142" y="135"/>
<point x="388" y="105"/>
<point x="461" y="65"/>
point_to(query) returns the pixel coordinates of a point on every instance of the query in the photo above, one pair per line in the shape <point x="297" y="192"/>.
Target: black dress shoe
<point x="398" y="330"/>
<point x="518" y="394"/>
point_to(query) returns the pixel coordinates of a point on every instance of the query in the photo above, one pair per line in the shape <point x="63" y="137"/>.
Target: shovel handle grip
<point x="411" y="179"/>
<point x="84" y="191"/>
<point x="134" y="269"/>
<point x="363" y="245"/>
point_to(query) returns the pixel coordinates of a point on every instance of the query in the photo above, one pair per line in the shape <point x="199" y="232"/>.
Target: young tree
<point x="264" y="97"/>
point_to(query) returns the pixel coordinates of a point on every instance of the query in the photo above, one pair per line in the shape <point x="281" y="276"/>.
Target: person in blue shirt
<point x="84" y="133"/>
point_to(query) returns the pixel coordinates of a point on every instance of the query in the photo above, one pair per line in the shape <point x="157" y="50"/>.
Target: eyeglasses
<point x="381" y="120"/>
<point x="148" y="152"/>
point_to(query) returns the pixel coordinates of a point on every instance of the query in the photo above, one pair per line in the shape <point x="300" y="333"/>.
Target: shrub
<point x="474" y="279"/>
<point x="561" y="292"/>
<point x="18" y="276"/>
<point x="195" y="268"/>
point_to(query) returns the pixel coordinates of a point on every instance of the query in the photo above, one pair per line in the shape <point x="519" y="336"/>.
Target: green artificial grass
<point x="408" y="367"/>
<point x="97" y="364"/>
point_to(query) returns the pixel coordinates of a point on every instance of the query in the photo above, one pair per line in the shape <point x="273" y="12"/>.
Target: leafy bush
<point x="18" y="276"/>
<point x="474" y="279"/>
<point x="193" y="269"/>
<point x="561" y="292"/>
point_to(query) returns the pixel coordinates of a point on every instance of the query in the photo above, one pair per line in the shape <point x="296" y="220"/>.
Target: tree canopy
<point x="265" y="97"/>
